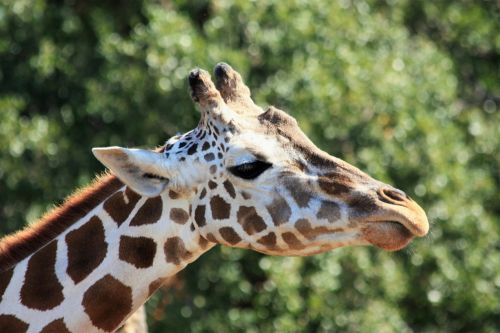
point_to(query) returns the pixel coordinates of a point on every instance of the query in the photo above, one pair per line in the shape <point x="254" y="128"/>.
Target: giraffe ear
<point x="143" y="170"/>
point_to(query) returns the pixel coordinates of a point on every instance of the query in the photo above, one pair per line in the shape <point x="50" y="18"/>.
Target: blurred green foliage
<point x="407" y="90"/>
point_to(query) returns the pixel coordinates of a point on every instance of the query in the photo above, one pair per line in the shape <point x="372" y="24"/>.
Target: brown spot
<point x="87" y="248"/>
<point x="268" y="240"/>
<point x="335" y="184"/>
<point x="211" y="238"/>
<point x="203" y="242"/>
<point x="203" y="193"/>
<point x="4" y="281"/>
<point x="56" y="326"/>
<point x="153" y="286"/>
<point x="280" y="210"/>
<point x="138" y="251"/>
<point x="22" y="244"/>
<point x="149" y="213"/>
<point x="250" y="220"/>
<point x="118" y="208"/>
<point x="192" y="149"/>
<point x="199" y="215"/>
<point x="292" y="240"/>
<point x="220" y="208"/>
<point x="41" y="289"/>
<point x="212" y="185"/>
<point x="305" y="228"/>
<point x="107" y="303"/>
<point x="213" y="169"/>
<point x="209" y="157"/>
<point x="245" y="195"/>
<point x="363" y="204"/>
<point x="329" y="210"/>
<point x="298" y="191"/>
<point x="173" y="195"/>
<point x="179" y="215"/>
<point x="10" y="323"/>
<point x="175" y="251"/>
<point x="301" y="166"/>
<point x="230" y="188"/>
<point x="205" y="146"/>
<point x="229" y="235"/>
<point x="168" y="147"/>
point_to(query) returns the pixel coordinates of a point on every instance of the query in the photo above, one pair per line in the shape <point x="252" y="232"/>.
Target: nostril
<point x="395" y="194"/>
<point x="392" y="196"/>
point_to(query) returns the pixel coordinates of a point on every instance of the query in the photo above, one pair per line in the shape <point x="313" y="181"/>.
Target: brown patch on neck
<point x="107" y="303"/>
<point x="56" y="326"/>
<point x="16" y="247"/>
<point x="41" y="288"/>
<point x="10" y="323"/>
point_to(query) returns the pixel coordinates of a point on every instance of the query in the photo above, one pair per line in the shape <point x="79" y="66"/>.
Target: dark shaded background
<point x="408" y="90"/>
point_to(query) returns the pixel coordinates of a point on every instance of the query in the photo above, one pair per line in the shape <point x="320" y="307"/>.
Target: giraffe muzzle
<point x="406" y="211"/>
<point x="396" y="222"/>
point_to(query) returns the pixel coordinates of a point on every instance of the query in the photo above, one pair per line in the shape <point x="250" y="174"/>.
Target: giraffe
<point x="136" y="323"/>
<point x="245" y="177"/>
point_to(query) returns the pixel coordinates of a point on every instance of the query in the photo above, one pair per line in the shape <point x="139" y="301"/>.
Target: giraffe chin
<point x="389" y="236"/>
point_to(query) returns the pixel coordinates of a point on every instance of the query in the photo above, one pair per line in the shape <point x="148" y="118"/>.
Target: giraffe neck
<point x="99" y="270"/>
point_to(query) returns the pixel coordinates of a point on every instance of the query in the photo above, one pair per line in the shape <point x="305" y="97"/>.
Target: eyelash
<point x="250" y="170"/>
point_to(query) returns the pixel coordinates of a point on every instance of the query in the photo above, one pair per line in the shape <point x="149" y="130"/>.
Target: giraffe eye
<point x="250" y="170"/>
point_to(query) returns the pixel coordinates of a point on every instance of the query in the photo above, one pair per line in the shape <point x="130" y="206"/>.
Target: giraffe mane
<point x="16" y="247"/>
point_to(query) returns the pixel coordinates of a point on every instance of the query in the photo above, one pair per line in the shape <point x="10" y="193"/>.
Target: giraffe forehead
<point x="239" y="140"/>
<point x="286" y="129"/>
<point x="250" y="145"/>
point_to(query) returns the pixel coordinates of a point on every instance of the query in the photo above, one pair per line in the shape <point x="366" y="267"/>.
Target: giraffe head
<point x="254" y="180"/>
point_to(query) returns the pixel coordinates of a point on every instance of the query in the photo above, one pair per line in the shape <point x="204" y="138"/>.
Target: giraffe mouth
<point x="396" y="222"/>
<point x="388" y="235"/>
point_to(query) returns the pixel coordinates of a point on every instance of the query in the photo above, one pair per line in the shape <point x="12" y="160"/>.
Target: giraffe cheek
<point x="250" y="220"/>
<point x="329" y="210"/>
<point x="279" y="210"/>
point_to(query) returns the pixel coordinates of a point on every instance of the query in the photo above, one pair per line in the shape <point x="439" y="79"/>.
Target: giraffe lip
<point x="410" y="217"/>
<point x="416" y="229"/>
<point x="388" y="235"/>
